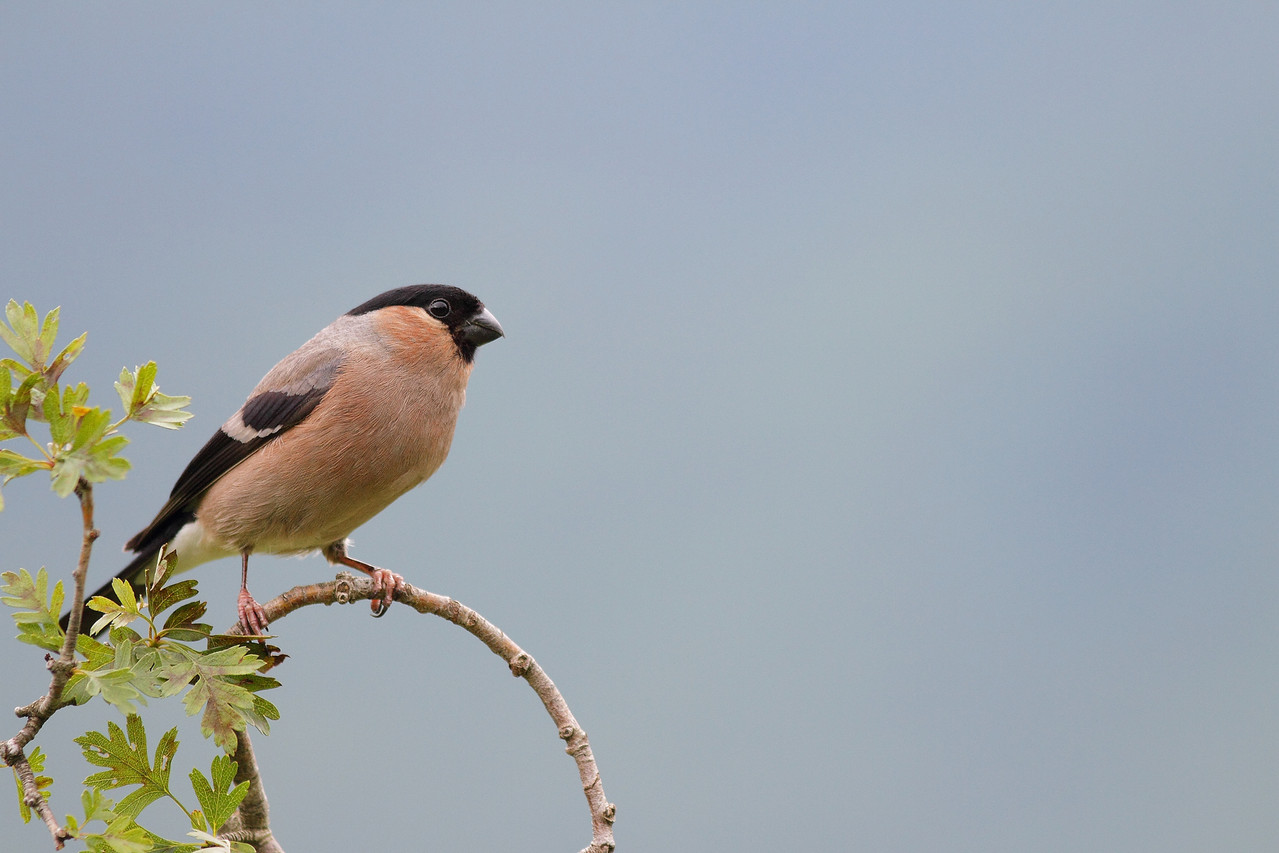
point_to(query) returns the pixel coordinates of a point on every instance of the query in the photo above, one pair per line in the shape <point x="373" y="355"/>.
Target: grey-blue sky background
<point x="881" y="456"/>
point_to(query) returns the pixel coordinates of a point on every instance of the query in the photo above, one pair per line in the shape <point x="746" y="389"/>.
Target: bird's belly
<point x="288" y="499"/>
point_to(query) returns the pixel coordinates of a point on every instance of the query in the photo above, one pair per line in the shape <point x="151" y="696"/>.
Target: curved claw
<point x="385" y="585"/>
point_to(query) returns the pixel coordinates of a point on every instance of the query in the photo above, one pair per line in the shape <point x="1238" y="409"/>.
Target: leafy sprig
<point x="148" y="653"/>
<point x="84" y="441"/>
<point x="222" y="679"/>
<point x="128" y="764"/>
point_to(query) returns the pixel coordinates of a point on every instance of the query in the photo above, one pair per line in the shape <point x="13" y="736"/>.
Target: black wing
<point x="284" y="397"/>
<point x="265" y="417"/>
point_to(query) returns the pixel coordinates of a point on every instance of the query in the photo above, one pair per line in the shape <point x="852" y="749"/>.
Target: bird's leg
<point x="252" y="616"/>
<point x="385" y="583"/>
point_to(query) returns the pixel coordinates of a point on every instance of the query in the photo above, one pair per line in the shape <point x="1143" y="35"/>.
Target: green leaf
<point x="135" y="386"/>
<point x="263" y="711"/>
<point x="33" y="341"/>
<point x="147" y="675"/>
<point x="103" y="464"/>
<point x="122" y="835"/>
<point x="23" y="330"/>
<point x="115" y="614"/>
<point x="128" y="676"/>
<point x="38" y="610"/>
<point x="23" y="591"/>
<point x="45" y="637"/>
<point x="96" y="806"/>
<point x="6" y="394"/>
<point x="124" y="387"/>
<point x="164" y="411"/>
<point x="145" y="385"/>
<point x="218" y="798"/>
<point x="90" y="425"/>
<point x="143" y="401"/>
<point x="19" y="406"/>
<point x="69" y="354"/>
<point x="115" y="686"/>
<point x="165" y="597"/>
<point x="16" y="465"/>
<point x="166" y="563"/>
<point x="122" y="832"/>
<point x="127" y="763"/>
<point x="101" y="670"/>
<point x="97" y="654"/>
<point x="168" y="845"/>
<point x="212" y="679"/>
<point x="96" y="461"/>
<point x="182" y="624"/>
<point x="48" y="334"/>
<point x="61" y="423"/>
<point x="75" y="396"/>
<point x="66" y="473"/>
<point x="118" y="635"/>
<point x="8" y="335"/>
<point x="22" y="370"/>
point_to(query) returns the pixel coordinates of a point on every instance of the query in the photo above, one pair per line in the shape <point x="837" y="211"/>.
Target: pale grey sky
<point x="882" y="453"/>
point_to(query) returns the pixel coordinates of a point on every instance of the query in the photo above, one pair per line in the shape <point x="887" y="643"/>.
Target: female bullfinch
<point x="340" y="428"/>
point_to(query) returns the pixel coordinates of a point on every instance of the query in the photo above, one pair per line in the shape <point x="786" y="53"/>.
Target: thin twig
<point x="34" y="799"/>
<point x="61" y="667"/>
<point x="348" y="588"/>
<point x="84" y="491"/>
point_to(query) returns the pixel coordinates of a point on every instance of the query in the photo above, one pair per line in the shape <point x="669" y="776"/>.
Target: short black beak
<point x="481" y="329"/>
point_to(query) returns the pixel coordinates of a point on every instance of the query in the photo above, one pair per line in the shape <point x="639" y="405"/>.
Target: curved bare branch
<point x="348" y="588"/>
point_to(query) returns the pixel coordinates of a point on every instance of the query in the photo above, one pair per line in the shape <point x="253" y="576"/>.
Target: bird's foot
<point x="385" y="585"/>
<point x="252" y="615"/>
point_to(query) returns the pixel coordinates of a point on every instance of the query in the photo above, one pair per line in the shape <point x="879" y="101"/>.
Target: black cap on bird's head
<point x="468" y="320"/>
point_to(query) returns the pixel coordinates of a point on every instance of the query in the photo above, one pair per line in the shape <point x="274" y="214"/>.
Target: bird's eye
<point x="439" y="309"/>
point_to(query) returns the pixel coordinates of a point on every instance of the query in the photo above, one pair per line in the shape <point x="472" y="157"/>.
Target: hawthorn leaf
<point x="19" y="406"/>
<point x="211" y="677"/>
<point x="22" y="331"/>
<point x="68" y="354"/>
<point x="127" y="762"/>
<point x="48" y="334"/>
<point x="37" y="610"/>
<point x="115" y="686"/>
<point x="218" y="798"/>
<point x="25" y="592"/>
<point x="16" y="465"/>
<point x="143" y="401"/>
<point x="165" y="597"/>
<point x="122" y="835"/>
<point x="66" y="473"/>
<point x="115" y="614"/>
<point x="61" y="423"/>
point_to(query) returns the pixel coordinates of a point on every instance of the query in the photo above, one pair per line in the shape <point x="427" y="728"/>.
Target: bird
<point x="343" y="426"/>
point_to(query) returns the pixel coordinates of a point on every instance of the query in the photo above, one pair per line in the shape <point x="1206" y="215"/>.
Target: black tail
<point x="133" y="573"/>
